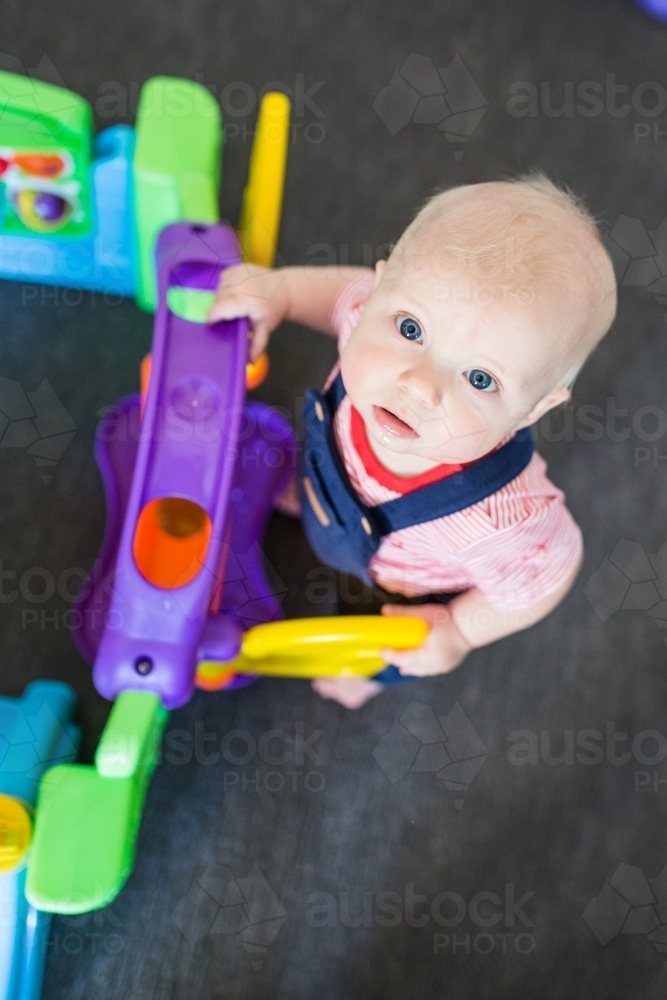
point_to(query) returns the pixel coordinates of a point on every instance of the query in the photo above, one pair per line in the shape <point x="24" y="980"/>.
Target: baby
<point x="419" y="471"/>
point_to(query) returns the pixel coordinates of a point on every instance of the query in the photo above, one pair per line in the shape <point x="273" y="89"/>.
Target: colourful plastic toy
<point x="36" y="732"/>
<point x="193" y="495"/>
<point x="67" y="218"/>
<point x="187" y="508"/>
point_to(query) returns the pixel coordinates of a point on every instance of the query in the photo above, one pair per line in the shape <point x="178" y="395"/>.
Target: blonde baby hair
<point x="522" y="237"/>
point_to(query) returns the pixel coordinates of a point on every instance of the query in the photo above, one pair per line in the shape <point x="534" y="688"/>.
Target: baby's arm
<point x="468" y="622"/>
<point x="302" y="294"/>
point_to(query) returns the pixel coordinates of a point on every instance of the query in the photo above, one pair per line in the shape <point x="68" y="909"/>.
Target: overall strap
<point x="335" y="394"/>
<point x="447" y="496"/>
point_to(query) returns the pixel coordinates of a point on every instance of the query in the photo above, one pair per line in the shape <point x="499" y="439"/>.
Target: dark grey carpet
<point x="323" y="850"/>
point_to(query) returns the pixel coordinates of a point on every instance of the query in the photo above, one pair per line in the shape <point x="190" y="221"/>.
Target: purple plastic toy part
<point x="657" y="8"/>
<point x="266" y="462"/>
<point x="145" y="637"/>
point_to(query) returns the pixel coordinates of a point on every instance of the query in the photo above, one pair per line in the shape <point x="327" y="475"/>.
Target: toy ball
<point x="42" y="211"/>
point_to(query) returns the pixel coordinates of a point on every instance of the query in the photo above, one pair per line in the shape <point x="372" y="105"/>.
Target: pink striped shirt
<point x="517" y="546"/>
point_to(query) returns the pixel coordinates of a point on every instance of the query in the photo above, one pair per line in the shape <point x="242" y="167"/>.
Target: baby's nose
<point x="423" y="387"/>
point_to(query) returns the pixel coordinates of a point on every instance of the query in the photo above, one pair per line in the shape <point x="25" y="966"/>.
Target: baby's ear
<point x="556" y="397"/>
<point x="379" y="271"/>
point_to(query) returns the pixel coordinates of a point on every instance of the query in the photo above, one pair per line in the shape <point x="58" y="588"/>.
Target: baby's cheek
<point x="362" y="368"/>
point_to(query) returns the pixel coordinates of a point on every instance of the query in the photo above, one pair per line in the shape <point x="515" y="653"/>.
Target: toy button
<point x="319" y="411"/>
<point x="15" y="832"/>
<point x="365" y="524"/>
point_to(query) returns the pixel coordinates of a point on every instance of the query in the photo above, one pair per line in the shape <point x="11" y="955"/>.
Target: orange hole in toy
<point x="170" y="541"/>
<point x="144" y="378"/>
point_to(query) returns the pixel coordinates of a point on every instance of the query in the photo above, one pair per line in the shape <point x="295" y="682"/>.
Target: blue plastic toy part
<point x="103" y="259"/>
<point x="24" y="933"/>
<point x="36" y="732"/>
<point x="656" y="8"/>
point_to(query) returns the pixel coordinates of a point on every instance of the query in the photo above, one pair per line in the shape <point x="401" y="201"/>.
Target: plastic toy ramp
<point x="344" y="646"/>
<point x="176" y="166"/>
<point x="36" y="732"/>
<point x="88" y="817"/>
<point x="177" y="515"/>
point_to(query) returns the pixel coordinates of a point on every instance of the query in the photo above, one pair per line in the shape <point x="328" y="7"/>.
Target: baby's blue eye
<point x="410" y="329"/>
<point x="481" y="380"/>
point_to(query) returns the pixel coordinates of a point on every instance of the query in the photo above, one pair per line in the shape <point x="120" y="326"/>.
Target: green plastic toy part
<point x="192" y="304"/>
<point x="41" y="122"/>
<point x="176" y="166"/>
<point x="88" y="816"/>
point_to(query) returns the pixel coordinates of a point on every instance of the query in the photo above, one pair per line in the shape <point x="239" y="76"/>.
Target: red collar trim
<point x="398" y="484"/>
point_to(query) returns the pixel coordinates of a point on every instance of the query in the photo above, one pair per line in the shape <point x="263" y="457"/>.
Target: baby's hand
<point x="256" y="292"/>
<point x="442" y="650"/>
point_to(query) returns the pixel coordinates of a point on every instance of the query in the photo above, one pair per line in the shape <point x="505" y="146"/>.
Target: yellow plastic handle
<point x="344" y="646"/>
<point x="331" y="636"/>
<point x="263" y="196"/>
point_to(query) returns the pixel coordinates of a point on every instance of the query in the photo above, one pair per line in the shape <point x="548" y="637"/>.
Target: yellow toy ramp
<point x="344" y="646"/>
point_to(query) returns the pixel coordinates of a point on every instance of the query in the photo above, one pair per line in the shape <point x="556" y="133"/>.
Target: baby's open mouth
<point x="390" y="422"/>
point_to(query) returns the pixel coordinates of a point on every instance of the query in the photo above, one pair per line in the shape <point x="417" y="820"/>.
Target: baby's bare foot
<point x="352" y="692"/>
<point x="288" y="502"/>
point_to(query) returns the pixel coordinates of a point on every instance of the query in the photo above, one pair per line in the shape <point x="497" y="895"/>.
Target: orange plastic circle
<point x="213" y="676"/>
<point x="256" y="371"/>
<point x="40" y="164"/>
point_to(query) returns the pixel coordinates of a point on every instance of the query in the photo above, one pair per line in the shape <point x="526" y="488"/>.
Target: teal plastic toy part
<point x="88" y="816"/>
<point x="36" y="732"/>
<point x="176" y="166"/>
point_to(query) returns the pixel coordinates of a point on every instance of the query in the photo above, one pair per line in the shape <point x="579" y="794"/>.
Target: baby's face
<point x="441" y="372"/>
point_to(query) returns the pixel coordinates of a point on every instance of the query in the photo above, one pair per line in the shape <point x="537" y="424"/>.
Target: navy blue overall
<point x="343" y="532"/>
